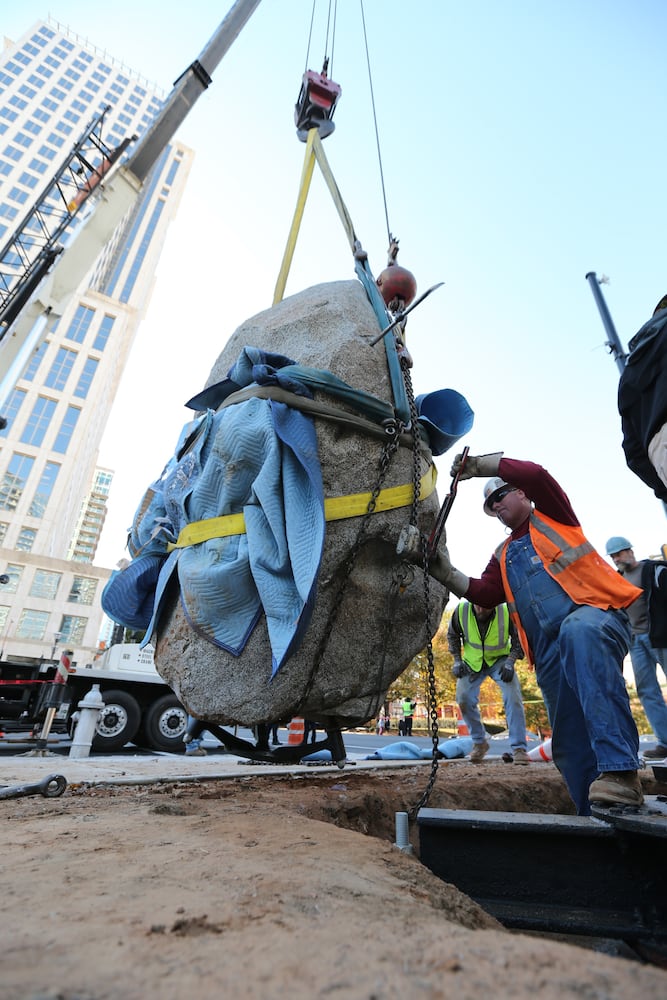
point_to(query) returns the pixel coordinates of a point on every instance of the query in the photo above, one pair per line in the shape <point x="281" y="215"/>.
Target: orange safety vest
<point x="570" y="559"/>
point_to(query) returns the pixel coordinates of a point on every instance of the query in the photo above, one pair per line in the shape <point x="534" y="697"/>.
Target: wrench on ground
<point x="50" y="787"/>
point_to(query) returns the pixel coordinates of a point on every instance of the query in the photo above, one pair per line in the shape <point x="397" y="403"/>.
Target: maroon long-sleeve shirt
<point x="540" y="487"/>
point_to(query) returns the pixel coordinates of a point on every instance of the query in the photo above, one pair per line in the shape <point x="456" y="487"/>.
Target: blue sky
<point x="523" y="145"/>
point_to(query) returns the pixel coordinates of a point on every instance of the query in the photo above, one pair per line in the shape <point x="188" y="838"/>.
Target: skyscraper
<point x="52" y="493"/>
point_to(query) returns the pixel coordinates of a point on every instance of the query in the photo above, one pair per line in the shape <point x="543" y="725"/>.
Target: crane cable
<point x="326" y="60"/>
<point x="375" y="125"/>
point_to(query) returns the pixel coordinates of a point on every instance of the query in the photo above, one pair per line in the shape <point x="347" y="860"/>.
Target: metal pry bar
<point x="403" y="313"/>
<point x="443" y="513"/>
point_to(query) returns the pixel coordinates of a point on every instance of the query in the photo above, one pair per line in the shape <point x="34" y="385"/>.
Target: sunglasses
<point x="501" y="494"/>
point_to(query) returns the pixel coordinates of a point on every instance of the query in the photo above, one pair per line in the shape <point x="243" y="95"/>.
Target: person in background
<point x="309" y="729"/>
<point x="642" y="402"/>
<point x="485" y="643"/>
<point x="193" y="737"/>
<point x="568" y="605"/>
<point x="408" y="706"/>
<point x="648" y="621"/>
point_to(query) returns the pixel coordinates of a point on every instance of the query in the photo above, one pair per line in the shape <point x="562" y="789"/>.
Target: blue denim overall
<point x="644" y="658"/>
<point x="578" y="653"/>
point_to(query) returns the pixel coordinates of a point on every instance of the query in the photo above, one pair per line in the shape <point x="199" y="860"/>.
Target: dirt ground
<point x="273" y="886"/>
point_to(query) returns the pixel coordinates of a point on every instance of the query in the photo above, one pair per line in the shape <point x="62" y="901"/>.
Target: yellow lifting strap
<point x="314" y="151"/>
<point x="335" y="509"/>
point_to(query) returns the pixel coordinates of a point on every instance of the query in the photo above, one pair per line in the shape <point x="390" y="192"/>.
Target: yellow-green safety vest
<point x="496" y="642"/>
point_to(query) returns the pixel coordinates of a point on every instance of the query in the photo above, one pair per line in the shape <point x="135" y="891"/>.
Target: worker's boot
<point x="520" y="756"/>
<point x="479" y="752"/>
<point x="617" y="788"/>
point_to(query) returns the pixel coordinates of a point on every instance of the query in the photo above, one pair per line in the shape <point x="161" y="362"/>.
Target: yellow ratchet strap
<point x="335" y="509"/>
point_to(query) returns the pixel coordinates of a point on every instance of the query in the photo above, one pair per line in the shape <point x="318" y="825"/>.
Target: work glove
<point x="459" y="669"/>
<point x="410" y="547"/>
<point x="506" y="673"/>
<point x="477" y="465"/>
<point x="441" y="568"/>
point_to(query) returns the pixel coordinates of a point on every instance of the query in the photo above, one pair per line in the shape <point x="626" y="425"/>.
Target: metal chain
<point x="394" y="430"/>
<point x="432" y="695"/>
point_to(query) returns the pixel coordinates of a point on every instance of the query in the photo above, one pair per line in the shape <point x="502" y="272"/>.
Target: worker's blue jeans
<point x="644" y="666"/>
<point x="467" y="697"/>
<point x="578" y="652"/>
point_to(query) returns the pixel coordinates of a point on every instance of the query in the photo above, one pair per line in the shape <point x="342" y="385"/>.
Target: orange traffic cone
<point x="461" y="728"/>
<point x="295" y="732"/>
<point x="542" y="752"/>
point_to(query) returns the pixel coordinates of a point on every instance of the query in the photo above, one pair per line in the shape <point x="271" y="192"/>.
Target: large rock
<point x="353" y="649"/>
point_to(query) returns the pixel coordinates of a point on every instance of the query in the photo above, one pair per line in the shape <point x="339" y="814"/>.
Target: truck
<point x="139" y="707"/>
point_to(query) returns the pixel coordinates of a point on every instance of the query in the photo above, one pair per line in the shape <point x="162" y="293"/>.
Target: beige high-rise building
<point x="52" y="492"/>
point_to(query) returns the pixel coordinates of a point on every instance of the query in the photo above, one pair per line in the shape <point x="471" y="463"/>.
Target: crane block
<point x="316" y="104"/>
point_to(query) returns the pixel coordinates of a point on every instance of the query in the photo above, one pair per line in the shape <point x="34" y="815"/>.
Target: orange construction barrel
<point x="296" y="732"/>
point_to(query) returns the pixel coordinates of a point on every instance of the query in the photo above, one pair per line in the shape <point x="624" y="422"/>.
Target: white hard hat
<point x="492" y="487"/>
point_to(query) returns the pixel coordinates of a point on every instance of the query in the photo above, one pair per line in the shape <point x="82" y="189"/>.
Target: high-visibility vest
<point x="407" y="707"/>
<point x="496" y="643"/>
<point x="570" y="559"/>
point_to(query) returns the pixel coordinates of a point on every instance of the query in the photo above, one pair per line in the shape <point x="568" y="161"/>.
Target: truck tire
<point x="118" y="721"/>
<point x="163" y="725"/>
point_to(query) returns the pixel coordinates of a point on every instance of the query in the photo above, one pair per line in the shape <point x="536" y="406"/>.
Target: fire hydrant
<point x="88" y="710"/>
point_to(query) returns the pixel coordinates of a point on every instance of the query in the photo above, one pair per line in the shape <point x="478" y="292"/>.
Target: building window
<point x="28" y="180"/>
<point x="18" y="196"/>
<point x="87" y="375"/>
<point x="14" y="480"/>
<point x="83" y="590"/>
<point x="172" y="172"/>
<point x="66" y="429"/>
<point x="60" y="369"/>
<point x="14" y="573"/>
<point x="44" y="490"/>
<point x="39" y="421"/>
<point x="106" y="326"/>
<point x="45" y="584"/>
<point x="141" y="252"/>
<point x="12" y="407"/>
<point x="72" y="629"/>
<point x="3" y="530"/>
<point x="79" y="326"/>
<point x="26" y="539"/>
<point x="32" y="624"/>
<point x="35" y="361"/>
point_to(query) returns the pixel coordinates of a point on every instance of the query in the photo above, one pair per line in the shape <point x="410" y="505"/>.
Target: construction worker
<point x="569" y="608"/>
<point x="648" y="621"/>
<point x="484" y="643"/>
<point x="408" y="706"/>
